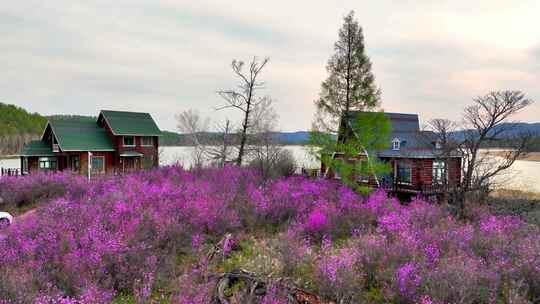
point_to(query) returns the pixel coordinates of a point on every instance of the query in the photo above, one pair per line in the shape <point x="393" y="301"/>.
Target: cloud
<point x="165" y="56"/>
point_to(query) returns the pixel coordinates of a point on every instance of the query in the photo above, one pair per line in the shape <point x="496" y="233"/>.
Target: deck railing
<point x="10" y="171"/>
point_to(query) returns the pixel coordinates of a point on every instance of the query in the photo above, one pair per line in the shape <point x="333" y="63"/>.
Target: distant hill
<point x="513" y="129"/>
<point x="293" y="138"/>
<point x="18" y="126"/>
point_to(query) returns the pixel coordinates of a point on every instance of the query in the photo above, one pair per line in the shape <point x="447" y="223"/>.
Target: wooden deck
<point x="422" y="189"/>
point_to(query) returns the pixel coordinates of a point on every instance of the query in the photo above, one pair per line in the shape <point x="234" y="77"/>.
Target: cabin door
<point x="129" y="164"/>
<point x="74" y="163"/>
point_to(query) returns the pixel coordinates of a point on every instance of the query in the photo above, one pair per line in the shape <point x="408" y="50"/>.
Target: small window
<point x="440" y="174"/>
<point x="396" y="144"/>
<point x="47" y="163"/>
<point x="438" y="145"/>
<point x="404" y="174"/>
<point x="147" y="141"/>
<point x="129" y="141"/>
<point x="98" y="164"/>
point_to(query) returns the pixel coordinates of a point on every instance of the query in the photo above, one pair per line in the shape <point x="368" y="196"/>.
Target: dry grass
<point x="515" y="194"/>
<point x="531" y="156"/>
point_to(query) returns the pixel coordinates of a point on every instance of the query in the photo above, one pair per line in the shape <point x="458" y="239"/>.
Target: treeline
<point x="72" y="117"/>
<point x="18" y="126"/>
<point x="208" y="138"/>
<point x="534" y="145"/>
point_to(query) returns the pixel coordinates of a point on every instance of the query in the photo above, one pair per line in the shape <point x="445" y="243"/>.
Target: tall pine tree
<point x="350" y="85"/>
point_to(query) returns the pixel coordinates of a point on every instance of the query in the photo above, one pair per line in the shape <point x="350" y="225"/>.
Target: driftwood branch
<point x="256" y="287"/>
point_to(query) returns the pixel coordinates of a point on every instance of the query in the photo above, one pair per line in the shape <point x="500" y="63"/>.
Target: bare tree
<point x="194" y="127"/>
<point x="268" y="156"/>
<point x="244" y="98"/>
<point x="441" y="135"/>
<point x="484" y="123"/>
<point x="219" y="149"/>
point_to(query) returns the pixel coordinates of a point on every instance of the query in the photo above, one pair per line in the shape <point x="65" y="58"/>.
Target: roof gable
<point x="80" y="135"/>
<point x="400" y="122"/>
<point x="130" y="123"/>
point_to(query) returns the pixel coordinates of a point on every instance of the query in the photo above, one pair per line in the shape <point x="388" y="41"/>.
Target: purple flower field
<point x="143" y="238"/>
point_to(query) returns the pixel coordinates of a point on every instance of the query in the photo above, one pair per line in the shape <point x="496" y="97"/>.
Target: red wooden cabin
<point x="417" y="161"/>
<point x="117" y="142"/>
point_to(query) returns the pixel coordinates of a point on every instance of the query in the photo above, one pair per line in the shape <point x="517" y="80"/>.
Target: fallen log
<point x="256" y="287"/>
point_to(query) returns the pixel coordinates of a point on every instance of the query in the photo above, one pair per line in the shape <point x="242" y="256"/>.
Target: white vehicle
<point x="5" y="220"/>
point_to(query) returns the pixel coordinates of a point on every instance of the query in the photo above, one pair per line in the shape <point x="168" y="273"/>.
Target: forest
<point x="18" y="126"/>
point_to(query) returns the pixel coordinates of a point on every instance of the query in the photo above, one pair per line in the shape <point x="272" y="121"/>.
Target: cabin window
<point x="439" y="172"/>
<point x="98" y="164"/>
<point x="396" y="144"/>
<point x="47" y="163"/>
<point x="25" y="165"/>
<point x="129" y="141"/>
<point x="404" y="173"/>
<point x="147" y="141"/>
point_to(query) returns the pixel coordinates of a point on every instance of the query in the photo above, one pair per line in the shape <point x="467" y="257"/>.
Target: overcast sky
<point x="165" y="56"/>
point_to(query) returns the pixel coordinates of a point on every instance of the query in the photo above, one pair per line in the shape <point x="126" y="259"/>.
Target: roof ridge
<point x="117" y="111"/>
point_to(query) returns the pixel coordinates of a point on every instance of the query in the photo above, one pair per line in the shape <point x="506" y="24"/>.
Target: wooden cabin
<point x="418" y="164"/>
<point x="116" y="142"/>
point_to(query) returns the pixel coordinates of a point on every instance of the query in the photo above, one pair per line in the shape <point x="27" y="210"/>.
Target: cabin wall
<point x="423" y="171"/>
<point x="426" y="168"/>
<point x="118" y="144"/>
<point x="110" y="165"/>
<point x="454" y="172"/>
<point x="150" y="152"/>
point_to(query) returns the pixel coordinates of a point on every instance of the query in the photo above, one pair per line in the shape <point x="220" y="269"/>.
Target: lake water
<point x="182" y="155"/>
<point x="524" y="175"/>
<point x="11" y="163"/>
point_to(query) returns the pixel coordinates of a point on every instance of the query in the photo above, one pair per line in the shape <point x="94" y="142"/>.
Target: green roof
<point x="81" y="135"/>
<point x="37" y="148"/>
<point x="131" y="123"/>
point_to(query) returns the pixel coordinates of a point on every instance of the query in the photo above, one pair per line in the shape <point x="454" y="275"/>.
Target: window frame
<point x="92" y="170"/>
<point x="440" y="174"/>
<point x="150" y="138"/>
<point x="400" y="167"/>
<point x="124" y="141"/>
<point x="49" y="161"/>
<point x="396" y="144"/>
